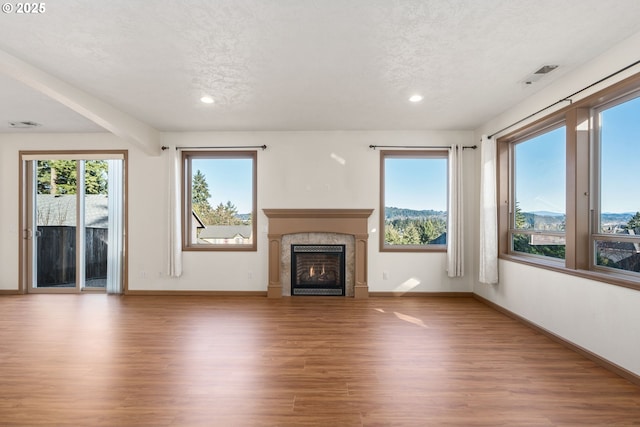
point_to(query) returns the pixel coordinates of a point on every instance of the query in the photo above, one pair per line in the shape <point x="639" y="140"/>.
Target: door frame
<point x="25" y="202"/>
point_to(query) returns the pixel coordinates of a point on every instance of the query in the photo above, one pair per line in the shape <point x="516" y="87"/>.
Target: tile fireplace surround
<point x="352" y="222"/>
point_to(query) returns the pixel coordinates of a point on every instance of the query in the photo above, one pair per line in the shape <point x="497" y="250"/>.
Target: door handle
<point x="29" y="234"/>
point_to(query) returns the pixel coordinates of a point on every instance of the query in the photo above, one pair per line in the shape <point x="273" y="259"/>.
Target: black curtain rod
<point x="264" y="147"/>
<point x="448" y="147"/>
<point x="566" y="98"/>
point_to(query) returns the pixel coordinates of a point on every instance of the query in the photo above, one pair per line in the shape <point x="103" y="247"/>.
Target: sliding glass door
<point x="74" y="222"/>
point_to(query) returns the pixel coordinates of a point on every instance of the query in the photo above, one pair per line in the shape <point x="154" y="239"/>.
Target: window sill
<point x="407" y="248"/>
<point x="220" y="248"/>
<point x="609" y="278"/>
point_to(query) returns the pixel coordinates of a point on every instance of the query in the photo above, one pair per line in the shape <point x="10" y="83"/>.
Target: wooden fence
<point x="57" y="255"/>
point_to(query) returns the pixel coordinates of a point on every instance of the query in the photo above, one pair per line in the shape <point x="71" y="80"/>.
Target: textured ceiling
<point x="302" y="64"/>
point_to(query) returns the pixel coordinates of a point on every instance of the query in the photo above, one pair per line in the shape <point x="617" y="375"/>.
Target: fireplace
<point x="318" y="270"/>
<point x="287" y="223"/>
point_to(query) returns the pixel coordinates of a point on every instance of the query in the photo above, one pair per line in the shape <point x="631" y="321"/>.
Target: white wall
<point x="599" y="317"/>
<point x="297" y="170"/>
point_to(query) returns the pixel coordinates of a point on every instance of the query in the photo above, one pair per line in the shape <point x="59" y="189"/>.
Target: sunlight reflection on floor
<point x="410" y="319"/>
<point x="406" y="286"/>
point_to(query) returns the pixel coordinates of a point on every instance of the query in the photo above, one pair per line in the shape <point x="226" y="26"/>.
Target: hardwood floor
<point x="97" y="360"/>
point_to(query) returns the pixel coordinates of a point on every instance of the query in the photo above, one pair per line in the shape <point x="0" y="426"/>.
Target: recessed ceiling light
<point x="207" y="99"/>
<point x="416" y="98"/>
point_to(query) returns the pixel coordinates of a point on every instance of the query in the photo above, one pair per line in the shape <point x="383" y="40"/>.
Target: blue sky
<point x="540" y="172"/>
<point x="228" y="179"/>
<point x="416" y="183"/>
<point x="621" y="158"/>
<point x="540" y="165"/>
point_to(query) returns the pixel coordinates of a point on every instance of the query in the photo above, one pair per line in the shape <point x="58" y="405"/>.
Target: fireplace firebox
<point x="317" y="270"/>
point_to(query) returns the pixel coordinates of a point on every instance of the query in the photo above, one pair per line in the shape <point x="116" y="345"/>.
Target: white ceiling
<point x="302" y="64"/>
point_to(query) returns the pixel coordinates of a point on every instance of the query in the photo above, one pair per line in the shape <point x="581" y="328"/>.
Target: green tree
<point x="231" y="209"/>
<point x="521" y="241"/>
<point x="427" y="232"/>
<point x="431" y="229"/>
<point x="200" y="196"/>
<point x="521" y="220"/>
<point x="199" y="189"/>
<point x="57" y="177"/>
<point x="414" y="231"/>
<point x="96" y="177"/>
<point x="392" y="235"/>
<point x="411" y="235"/>
<point x="634" y="223"/>
<point x="224" y="215"/>
<point x="61" y="176"/>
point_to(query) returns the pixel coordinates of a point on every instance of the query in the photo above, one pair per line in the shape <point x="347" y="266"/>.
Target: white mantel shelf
<point x="343" y="221"/>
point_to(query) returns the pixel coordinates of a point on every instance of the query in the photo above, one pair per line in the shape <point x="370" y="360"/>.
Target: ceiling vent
<point x="24" y="125"/>
<point x="540" y="73"/>
<point x="546" y="69"/>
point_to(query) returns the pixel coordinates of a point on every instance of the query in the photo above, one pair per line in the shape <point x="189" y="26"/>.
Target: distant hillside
<point x="392" y="213"/>
<point x="543" y="220"/>
<point x="546" y="213"/>
<point x="617" y="217"/>
<point x="552" y="222"/>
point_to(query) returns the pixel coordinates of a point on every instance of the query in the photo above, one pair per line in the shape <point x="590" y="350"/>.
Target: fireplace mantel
<point x="343" y="221"/>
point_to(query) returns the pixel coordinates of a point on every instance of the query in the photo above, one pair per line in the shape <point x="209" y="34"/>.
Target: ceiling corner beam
<point x="110" y="118"/>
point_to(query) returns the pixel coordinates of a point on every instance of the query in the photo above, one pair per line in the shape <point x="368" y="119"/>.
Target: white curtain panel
<point x="115" y="233"/>
<point x="455" y="247"/>
<point x="488" y="213"/>
<point x="175" y="232"/>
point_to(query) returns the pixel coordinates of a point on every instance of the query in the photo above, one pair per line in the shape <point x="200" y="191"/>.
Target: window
<point x="568" y="188"/>
<point x="219" y="200"/>
<point x="413" y="187"/>
<point x="538" y="212"/>
<point x="616" y="233"/>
